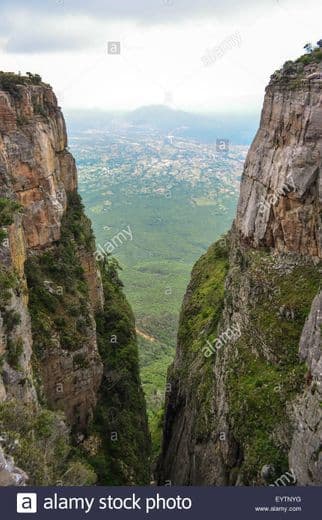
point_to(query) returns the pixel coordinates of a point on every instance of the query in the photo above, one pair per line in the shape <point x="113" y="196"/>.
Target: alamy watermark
<point x="229" y="335"/>
<point x="113" y="47"/>
<point x="265" y="204"/>
<point x="110" y="245"/>
<point x="288" y="479"/>
<point x="216" y="53"/>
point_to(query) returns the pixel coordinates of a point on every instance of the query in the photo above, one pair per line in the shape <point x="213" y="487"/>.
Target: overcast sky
<point x="200" y="55"/>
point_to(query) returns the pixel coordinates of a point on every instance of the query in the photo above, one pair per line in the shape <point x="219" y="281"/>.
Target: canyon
<point x="72" y="409"/>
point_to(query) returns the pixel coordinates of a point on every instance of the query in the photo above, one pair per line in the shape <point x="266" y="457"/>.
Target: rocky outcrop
<point x="244" y="405"/>
<point x="190" y="455"/>
<point x="15" y="323"/>
<point x="281" y="190"/>
<point x="10" y="475"/>
<point x="306" y="447"/>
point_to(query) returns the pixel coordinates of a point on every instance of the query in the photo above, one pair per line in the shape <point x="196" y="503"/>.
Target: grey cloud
<point x="39" y="35"/>
<point x="39" y="41"/>
<point x="149" y="11"/>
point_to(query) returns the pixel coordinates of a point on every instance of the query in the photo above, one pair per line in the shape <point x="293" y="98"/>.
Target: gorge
<point x="246" y="411"/>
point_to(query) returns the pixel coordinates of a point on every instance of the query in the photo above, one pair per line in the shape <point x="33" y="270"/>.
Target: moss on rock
<point x="120" y="419"/>
<point x="265" y="374"/>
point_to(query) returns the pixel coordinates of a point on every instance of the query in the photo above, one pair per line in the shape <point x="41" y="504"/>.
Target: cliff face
<point x="244" y="400"/>
<point x="306" y="444"/>
<point x="51" y="285"/>
<point x="281" y="194"/>
<point x="38" y="172"/>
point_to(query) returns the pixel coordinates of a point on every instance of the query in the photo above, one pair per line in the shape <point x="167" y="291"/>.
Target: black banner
<point x="160" y="502"/>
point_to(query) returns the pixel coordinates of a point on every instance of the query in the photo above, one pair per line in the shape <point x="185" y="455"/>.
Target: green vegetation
<point x="266" y="373"/>
<point x="8" y="208"/>
<point x="199" y="320"/>
<point x="155" y="358"/>
<point x="177" y="198"/>
<point x="39" y="110"/>
<point x="10" y="318"/>
<point x="80" y="361"/>
<point x="58" y="294"/>
<point x="58" y="303"/>
<point x="59" y="309"/>
<point x="156" y="428"/>
<point x="313" y="54"/>
<point x="292" y="72"/>
<point x="39" y="441"/>
<point x="14" y="351"/>
<point x="120" y="419"/>
<point x="201" y="313"/>
<point x="8" y="282"/>
<point x="9" y="81"/>
<point x="263" y="370"/>
<point x="169" y="234"/>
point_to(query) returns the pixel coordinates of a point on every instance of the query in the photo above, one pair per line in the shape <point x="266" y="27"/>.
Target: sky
<point x="196" y="55"/>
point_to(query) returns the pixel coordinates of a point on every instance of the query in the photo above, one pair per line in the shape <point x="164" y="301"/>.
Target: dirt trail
<point x="144" y="335"/>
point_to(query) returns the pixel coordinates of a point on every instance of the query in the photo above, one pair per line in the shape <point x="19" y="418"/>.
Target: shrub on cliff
<point x="9" y="81"/>
<point x="313" y="54"/>
<point x="8" y="208"/>
<point x="40" y="443"/>
<point x="57" y="288"/>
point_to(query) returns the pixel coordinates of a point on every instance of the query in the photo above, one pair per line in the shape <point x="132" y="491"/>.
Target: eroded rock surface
<point x="306" y="448"/>
<point x="10" y="475"/>
<point x="281" y="189"/>
<point x="38" y="171"/>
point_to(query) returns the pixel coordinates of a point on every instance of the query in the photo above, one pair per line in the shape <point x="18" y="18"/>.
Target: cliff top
<point x="307" y="66"/>
<point x="10" y="81"/>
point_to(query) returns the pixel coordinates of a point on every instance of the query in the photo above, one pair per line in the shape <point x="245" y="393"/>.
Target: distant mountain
<point x="238" y="128"/>
<point x="163" y="117"/>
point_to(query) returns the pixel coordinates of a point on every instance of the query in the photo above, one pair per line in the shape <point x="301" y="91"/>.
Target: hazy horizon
<point x="239" y="128"/>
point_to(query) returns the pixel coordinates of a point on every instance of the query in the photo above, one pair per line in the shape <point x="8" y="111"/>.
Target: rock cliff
<point x="54" y="360"/>
<point x="243" y="402"/>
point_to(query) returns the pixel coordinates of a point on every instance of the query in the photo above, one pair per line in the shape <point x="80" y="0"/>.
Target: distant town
<point x="154" y="164"/>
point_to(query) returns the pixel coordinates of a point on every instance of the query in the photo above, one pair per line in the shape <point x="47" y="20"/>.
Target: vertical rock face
<point x="35" y="162"/>
<point x="244" y="403"/>
<point x="306" y="447"/>
<point x="38" y="171"/>
<point x="281" y="190"/>
<point x="51" y="295"/>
